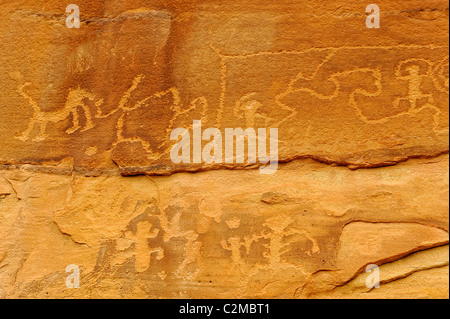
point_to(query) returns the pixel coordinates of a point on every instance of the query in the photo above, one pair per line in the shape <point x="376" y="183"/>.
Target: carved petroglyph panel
<point x="130" y="80"/>
<point x="179" y="236"/>
<point x="86" y="94"/>
<point x="80" y="108"/>
<point x="373" y="89"/>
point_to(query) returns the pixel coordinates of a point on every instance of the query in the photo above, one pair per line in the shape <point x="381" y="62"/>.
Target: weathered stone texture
<point x="363" y="120"/>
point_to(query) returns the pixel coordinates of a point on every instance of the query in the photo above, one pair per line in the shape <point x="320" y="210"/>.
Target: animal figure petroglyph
<point x="125" y="107"/>
<point x="75" y="99"/>
<point x="355" y="87"/>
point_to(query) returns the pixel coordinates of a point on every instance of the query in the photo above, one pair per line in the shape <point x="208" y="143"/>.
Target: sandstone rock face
<point x="87" y="177"/>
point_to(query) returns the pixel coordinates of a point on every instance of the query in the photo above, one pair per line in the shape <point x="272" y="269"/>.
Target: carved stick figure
<point x="415" y="71"/>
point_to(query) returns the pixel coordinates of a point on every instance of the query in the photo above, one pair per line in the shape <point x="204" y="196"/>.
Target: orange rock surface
<point x="86" y="176"/>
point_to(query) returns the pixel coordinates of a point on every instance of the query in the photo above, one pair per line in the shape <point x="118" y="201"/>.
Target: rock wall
<point x="88" y="180"/>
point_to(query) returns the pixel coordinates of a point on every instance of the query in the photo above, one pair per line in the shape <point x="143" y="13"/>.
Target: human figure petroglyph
<point x="415" y="76"/>
<point x="192" y="263"/>
<point x="145" y="231"/>
<point x="415" y="72"/>
<point x="149" y="236"/>
<point x="135" y="245"/>
<point x="76" y="98"/>
<point x="282" y="227"/>
<point x="368" y="79"/>
<point x="247" y="107"/>
<point x="277" y="238"/>
<point x="253" y="107"/>
<point x="419" y="75"/>
<point x="234" y="245"/>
